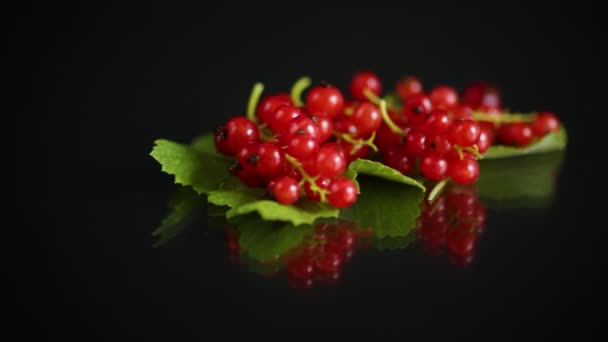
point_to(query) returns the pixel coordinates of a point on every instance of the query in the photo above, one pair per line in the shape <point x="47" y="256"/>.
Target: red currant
<point x="252" y="178"/>
<point x="367" y="118"/>
<point x="302" y="147"/>
<point x="321" y="182"/>
<point x="439" y="144"/>
<point x="464" y="132"/>
<point x="301" y="267"/>
<point x="463" y="171"/>
<point x="415" y="143"/>
<point x="301" y="125"/>
<point x="270" y="159"/>
<point x="241" y="131"/>
<point x="444" y="97"/>
<point x="396" y="158"/>
<point x="286" y="190"/>
<point x="325" y="99"/>
<point x="486" y="137"/>
<point x="408" y="86"/>
<point x="281" y="118"/>
<point x="342" y="192"/>
<point x="330" y="161"/>
<point x="328" y="262"/>
<point x="434" y="166"/>
<point x="461" y="244"/>
<point x="438" y="122"/>
<point x="416" y="108"/>
<point x="365" y="80"/>
<point x="325" y="127"/>
<point x="221" y="142"/>
<point x="386" y="138"/>
<point x="544" y="123"/>
<point x="269" y="105"/>
<point x="518" y="134"/>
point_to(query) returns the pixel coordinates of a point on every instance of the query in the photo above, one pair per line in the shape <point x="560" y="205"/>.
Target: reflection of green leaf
<point x="528" y="180"/>
<point x="389" y="209"/>
<point x="185" y="205"/>
<point x="392" y="243"/>
<point x="377" y="169"/>
<point x="204" y="172"/>
<point x="266" y="240"/>
<point x="550" y="142"/>
<point x="304" y="211"/>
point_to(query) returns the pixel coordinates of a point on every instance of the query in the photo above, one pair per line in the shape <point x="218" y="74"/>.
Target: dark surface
<point x="107" y="81"/>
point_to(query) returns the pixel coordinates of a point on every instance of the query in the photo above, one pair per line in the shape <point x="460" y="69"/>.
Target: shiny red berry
<point x="325" y="99"/>
<point x="365" y="80"/>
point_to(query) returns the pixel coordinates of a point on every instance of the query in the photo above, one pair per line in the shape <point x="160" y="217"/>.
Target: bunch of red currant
<point x="454" y="220"/>
<point x="287" y="144"/>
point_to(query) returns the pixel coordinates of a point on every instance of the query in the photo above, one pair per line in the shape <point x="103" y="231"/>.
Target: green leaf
<point x="185" y="205"/>
<point x="304" y="211"/>
<point x="267" y="240"/>
<point x="204" y="172"/>
<point x="516" y="182"/>
<point x="551" y="142"/>
<point x="377" y="169"/>
<point x="389" y="209"/>
<point x="204" y="145"/>
<point x="393" y="243"/>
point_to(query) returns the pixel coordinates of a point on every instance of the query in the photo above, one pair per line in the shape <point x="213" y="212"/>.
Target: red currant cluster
<point x="455" y="219"/>
<point x="286" y="144"/>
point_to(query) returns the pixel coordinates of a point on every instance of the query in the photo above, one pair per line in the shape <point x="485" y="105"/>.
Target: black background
<point x="103" y="82"/>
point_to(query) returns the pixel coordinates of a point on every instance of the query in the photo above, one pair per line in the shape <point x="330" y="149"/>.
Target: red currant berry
<point x="342" y="192"/>
<point x="352" y="152"/>
<point x="252" y="178"/>
<point x="301" y="267"/>
<point x="328" y="262"/>
<point x="522" y="134"/>
<point x="481" y="93"/>
<point x="439" y="144"/>
<point x="269" y="105"/>
<point x="344" y="124"/>
<point x="396" y="158"/>
<point x="301" y="125"/>
<point x="286" y="190"/>
<point x="463" y="171"/>
<point x="415" y="143"/>
<point x="486" y="137"/>
<point x="438" y="122"/>
<point x="325" y="127"/>
<point x="241" y="131"/>
<point x="220" y="140"/>
<point x="386" y="138"/>
<point x="462" y="112"/>
<point x="270" y="159"/>
<point x="325" y="99"/>
<point x="365" y="80"/>
<point x="461" y="244"/>
<point x="247" y="155"/>
<point x="434" y="167"/>
<point x="367" y="118"/>
<point x="444" y="97"/>
<point x="408" y="86"/>
<point x="330" y="161"/>
<point x="464" y="132"/>
<point x="544" y="123"/>
<point x="321" y="182"/>
<point x="282" y="117"/>
<point x="302" y="147"/>
<point x="416" y="108"/>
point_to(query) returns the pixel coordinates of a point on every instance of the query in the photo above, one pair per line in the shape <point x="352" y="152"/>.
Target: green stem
<point x="389" y="122"/>
<point x="298" y="88"/>
<point x="371" y="97"/>
<point x="367" y="142"/>
<point x="437" y="189"/>
<point x="307" y="178"/>
<point x="256" y="92"/>
<point x="503" y="118"/>
<point x="472" y="149"/>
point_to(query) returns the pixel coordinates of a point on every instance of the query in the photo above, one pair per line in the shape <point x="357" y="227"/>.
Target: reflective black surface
<point x="108" y="81"/>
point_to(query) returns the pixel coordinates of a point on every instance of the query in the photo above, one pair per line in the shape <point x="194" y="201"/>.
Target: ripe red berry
<point x="252" y="178"/>
<point x="325" y="99"/>
<point x="438" y="122"/>
<point x="434" y="167"/>
<point x="486" y="137"/>
<point x="241" y="131"/>
<point x="395" y="157"/>
<point x="325" y="127"/>
<point x="301" y="267"/>
<point x="461" y="244"/>
<point x="408" y="86"/>
<point x="518" y="134"/>
<point x="220" y="140"/>
<point x="365" y="80"/>
<point x="444" y="97"/>
<point x="415" y="143"/>
<point x="321" y="182"/>
<point x="269" y="105"/>
<point x="416" y="108"/>
<point x="367" y="118"/>
<point x="385" y="138"/>
<point x="302" y="147"/>
<point x="342" y="192"/>
<point x="247" y="156"/>
<point x="439" y="144"/>
<point x="479" y="94"/>
<point x="301" y="125"/>
<point x="330" y="161"/>
<point x="282" y="117"/>
<point x="463" y="171"/>
<point x="328" y="262"/>
<point x="286" y="190"/>
<point x="462" y="112"/>
<point x="270" y="159"/>
<point x="464" y="132"/>
<point x="544" y="123"/>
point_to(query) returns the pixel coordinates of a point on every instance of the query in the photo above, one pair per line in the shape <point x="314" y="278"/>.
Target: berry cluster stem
<point x="503" y="118"/>
<point x="472" y="149"/>
<point x="366" y="142"/>
<point x="256" y="92"/>
<point x="389" y="122"/>
<point x="307" y="178"/>
<point x="298" y="88"/>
